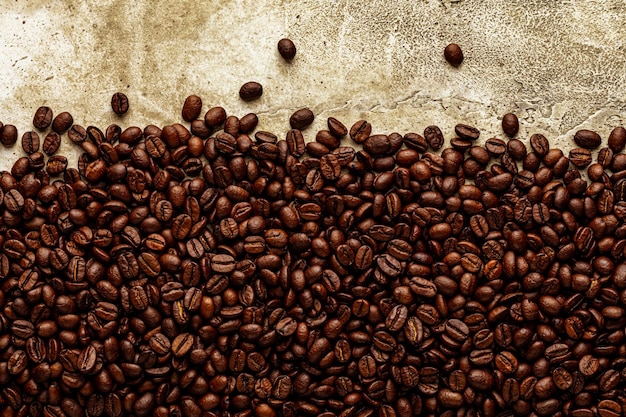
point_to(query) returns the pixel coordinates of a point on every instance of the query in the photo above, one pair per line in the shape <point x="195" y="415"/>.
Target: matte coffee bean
<point x="360" y="131"/>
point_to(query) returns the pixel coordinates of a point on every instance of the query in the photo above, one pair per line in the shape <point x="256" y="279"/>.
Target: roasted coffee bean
<point x="51" y="143"/>
<point x="510" y="124"/>
<point x="119" y="103"/>
<point x="30" y="142"/>
<point x="453" y="54"/>
<point x="587" y="139"/>
<point x="42" y="118"/>
<point x="466" y="132"/>
<point x="251" y="91"/>
<point x="8" y="135"/>
<point x="286" y="49"/>
<point x="192" y="107"/>
<point x="300" y="119"/>
<point x="62" y="122"/>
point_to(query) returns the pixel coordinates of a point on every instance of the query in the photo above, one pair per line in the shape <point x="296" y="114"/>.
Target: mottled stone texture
<point x="559" y="65"/>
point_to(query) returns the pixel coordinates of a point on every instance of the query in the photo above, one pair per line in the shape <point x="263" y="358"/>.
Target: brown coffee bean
<point x="42" y="118"/>
<point x="192" y="107"/>
<point x="539" y="144"/>
<point x="510" y="124"/>
<point x="8" y="135"/>
<point x="30" y="142"/>
<point x="302" y="118"/>
<point x="453" y="54"/>
<point x="251" y="91"/>
<point x="62" y="122"/>
<point x="360" y="131"/>
<point x="588" y="365"/>
<point x="119" y="103"/>
<point x="580" y="157"/>
<point x="51" y="143"/>
<point x="587" y="139"/>
<point x="286" y="49"/>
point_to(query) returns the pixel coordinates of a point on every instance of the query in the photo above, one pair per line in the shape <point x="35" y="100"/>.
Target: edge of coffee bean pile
<point x="216" y="269"/>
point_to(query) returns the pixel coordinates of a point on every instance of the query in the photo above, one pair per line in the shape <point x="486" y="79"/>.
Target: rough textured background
<point x="559" y="65"/>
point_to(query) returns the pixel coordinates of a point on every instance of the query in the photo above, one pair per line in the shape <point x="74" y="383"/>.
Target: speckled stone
<point x="557" y="65"/>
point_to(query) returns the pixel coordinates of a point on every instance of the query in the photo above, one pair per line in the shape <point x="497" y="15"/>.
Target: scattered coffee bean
<point x="250" y="91"/>
<point x="42" y="118"/>
<point x="510" y="124"/>
<point x="286" y="49"/>
<point x="119" y="103"/>
<point x="301" y="119"/>
<point x="192" y="108"/>
<point x="587" y="139"/>
<point x="453" y="54"/>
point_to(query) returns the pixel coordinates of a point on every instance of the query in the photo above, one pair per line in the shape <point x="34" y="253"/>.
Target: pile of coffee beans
<point x="215" y="269"/>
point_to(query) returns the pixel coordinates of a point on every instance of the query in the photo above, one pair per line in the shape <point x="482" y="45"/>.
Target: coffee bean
<point x="453" y="54"/>
<point x="286" y="49"/>
<point x="360" y="131"/>
<point x="587" y="139"/>
<point x="62" y="122"/>
<point x="580" y="157"/>
<point x="251" y="91"/>
<point x="30" y="142"/>
<point x="588" y="365"/>
<point x="42" y="118"/>
<point x="301" y="119"/>
<point x="8" y="135"/>
<point x="51" y="143"/>
<point x="510" y="124"/>
<point x="466" y="132"/>
<point x="192" y="107"/>
<point x="119" y="103"/>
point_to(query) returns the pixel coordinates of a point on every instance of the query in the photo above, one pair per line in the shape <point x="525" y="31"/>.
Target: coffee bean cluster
<point x="215" y="269"/>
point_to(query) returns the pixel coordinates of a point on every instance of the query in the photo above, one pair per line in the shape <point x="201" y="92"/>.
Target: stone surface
<point x="557" y="65"/>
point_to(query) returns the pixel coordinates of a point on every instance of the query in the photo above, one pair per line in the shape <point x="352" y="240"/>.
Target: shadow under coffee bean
<point x="206" y="270"/>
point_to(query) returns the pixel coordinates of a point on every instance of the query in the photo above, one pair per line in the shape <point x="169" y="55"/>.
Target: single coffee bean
<point x="617" y="139"/>
<point x="251" y="91"/>
<point x="286" y="49"/>
<point x="301" y="119"/>
<point x="587" y="139"/>
<point x="30" y="142"/>
<point x="8" y="135"/>
<point x="119" y="103"/>
<point x="540" y="144"/>
<point x="51" y="143"/>
<point x="42" y="118"/>
<point x="510" y="124"/>
<point x="453" y="54"/>
<point x="62" y="122"/>
<point x="467" y="132"/>
<point x="192" y="107"/>
<point x="580" y="157"/>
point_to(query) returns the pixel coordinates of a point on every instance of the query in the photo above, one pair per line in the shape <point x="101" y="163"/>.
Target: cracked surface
<point x="559" y="67"/>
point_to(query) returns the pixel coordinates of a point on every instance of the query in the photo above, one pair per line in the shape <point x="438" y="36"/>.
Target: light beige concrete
<point x="559" y="65"/>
